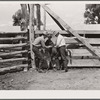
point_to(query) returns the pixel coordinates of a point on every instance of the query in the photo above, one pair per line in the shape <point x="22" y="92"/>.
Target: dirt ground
<point x="74" y="79"/>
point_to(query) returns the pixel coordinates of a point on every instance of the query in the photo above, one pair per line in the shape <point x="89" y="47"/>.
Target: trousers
<point x="38" y="55"/>
<point x="62" y="53"/>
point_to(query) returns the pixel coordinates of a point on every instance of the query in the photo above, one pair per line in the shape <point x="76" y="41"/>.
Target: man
<point x="61" y="46"/>
<point x="49" y="43"/>
<point x="39" y="43"/>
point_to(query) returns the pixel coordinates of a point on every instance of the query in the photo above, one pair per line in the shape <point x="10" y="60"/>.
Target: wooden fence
<point x="14" y="50"/>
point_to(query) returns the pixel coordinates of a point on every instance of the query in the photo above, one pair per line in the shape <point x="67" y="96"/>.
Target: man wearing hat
<point x="39" y="43"/>
<point x="61" y="46"/>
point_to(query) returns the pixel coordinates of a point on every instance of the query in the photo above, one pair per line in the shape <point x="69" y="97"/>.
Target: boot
<point x="65" y="66"/>
<point x="41" y="71"/>
<point x="66" y="69"/>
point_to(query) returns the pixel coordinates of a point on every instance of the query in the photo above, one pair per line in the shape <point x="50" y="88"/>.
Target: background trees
<point x="21" y="17"/>
<point x="92" y="14"/>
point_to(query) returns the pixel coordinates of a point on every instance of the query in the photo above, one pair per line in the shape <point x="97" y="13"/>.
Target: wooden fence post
<point x="25" y="48"/>
<point x="38" y="15"/>
<point x="24" y="10"/>
<point x="24" y="13"/>
<point x="44" y="26"/>
<point x="31" y="34"/>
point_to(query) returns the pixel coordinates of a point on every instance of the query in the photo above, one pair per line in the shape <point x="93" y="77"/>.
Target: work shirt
<point x="60" y="41"/>
<point x="39" y="42"/>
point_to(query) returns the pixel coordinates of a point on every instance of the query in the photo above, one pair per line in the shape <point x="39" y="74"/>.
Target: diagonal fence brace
<point x="67" y="27"/>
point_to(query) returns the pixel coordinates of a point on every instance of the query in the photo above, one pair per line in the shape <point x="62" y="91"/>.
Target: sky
<point x="70" y="11"/>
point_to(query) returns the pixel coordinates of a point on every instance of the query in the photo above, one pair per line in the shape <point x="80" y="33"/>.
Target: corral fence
<point x="14" y="51"/>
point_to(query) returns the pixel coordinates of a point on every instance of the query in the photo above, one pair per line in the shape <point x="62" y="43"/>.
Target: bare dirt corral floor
<point x="74" y="79"/>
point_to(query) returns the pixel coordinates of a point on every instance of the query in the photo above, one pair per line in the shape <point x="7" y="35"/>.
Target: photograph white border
<point x="49" y="94"/>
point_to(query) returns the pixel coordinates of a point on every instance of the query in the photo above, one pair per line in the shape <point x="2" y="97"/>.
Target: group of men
<point x="59" y="46"/>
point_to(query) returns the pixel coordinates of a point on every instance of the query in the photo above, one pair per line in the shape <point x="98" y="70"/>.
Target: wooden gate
<point x="89" y="53"/>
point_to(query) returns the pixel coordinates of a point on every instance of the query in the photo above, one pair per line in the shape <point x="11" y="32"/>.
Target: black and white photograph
<point x="50" y="45"/>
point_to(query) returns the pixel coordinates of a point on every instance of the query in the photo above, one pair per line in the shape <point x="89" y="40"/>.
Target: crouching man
<point x="61" y="47"/>
<point x="39" y="43"/>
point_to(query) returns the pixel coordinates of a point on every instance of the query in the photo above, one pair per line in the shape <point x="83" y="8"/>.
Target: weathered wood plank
<point x="13" y="68"/>
<point x="44" y="20"/>
<point x="25" y="15"/>
<point x="89" y="40"/>
<point x="82" y="52"/>
<point x="66" y="32"/>
<point x="25" y="48"/>
<point x="24" y="10"/>
<point x="11" y="38"/>
<point x="88" y="31"/>
<point x="38" y="15"/>
<point x="85" y="63"/>
<point x="67" y="27"/>
<point x="13" y="33"/>
<point x="50" y="31"/>
<point x="31" y="33"/>
<point x="13" y="53"/>
<point x="13" y="59"/>
<point x="3" y="46"/>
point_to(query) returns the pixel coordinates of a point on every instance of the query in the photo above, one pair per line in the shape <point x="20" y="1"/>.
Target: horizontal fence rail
<point x="11" y="39"/>
<point x="67" y="32"/>
<point x="85" y="63"/>
<point x="13" y="33"/>
<point x="2" y="70"/>
<point x="13" y="53"/>
<point x="13" y="59"/>
<point x="82" y="52"/>
<point x="70" y="40"/>
<point x="2" y="46"/>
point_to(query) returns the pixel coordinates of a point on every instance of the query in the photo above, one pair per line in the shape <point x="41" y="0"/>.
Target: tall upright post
<point x="24" y="10"/>
<point x="24" y="15"/>
<point x="44" y="19"/>
<point x="44" y="26"/>
<point x="31" y="34"/>
<point x="38" y="15"/>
